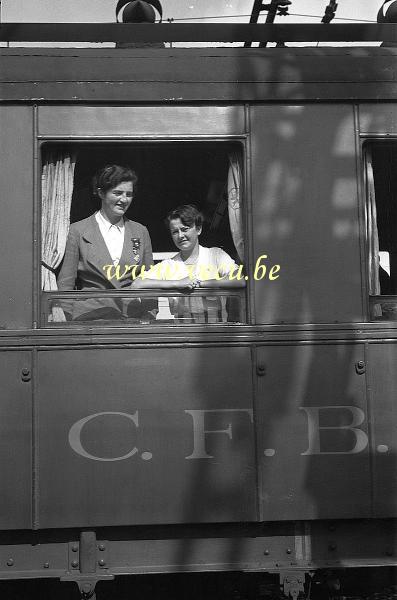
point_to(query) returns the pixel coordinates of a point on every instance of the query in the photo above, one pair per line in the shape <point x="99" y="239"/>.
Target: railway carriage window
<point x="381" y="177"/>
<point x="208" y="175"/>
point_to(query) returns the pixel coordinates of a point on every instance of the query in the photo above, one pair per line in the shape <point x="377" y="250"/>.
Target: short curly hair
<point x="111" y="176"/>
<point x="189" y="214"/>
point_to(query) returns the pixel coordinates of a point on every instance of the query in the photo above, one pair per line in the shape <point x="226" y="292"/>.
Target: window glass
<point x="147" y="308"/>
<point x="381" y="175"/>
<point x="206" y="175"/>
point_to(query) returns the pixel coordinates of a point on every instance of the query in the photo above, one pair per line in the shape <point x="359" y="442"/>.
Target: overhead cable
<point x="174" y="20"/>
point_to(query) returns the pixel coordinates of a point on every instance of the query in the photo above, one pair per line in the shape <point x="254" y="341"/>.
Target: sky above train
<point x="99" y="11"/>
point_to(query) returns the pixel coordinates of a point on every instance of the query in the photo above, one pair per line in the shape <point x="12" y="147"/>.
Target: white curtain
<point x="56" y="195"/>
<point x="234" y="195"/>
<point x="56" y="190"/>
<point x="373" y="238"/>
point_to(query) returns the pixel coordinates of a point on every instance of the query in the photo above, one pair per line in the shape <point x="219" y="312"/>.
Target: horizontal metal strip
<point x="195" y="92"/>
<point x="188" y="32"/>
<point x="77" y="339"/>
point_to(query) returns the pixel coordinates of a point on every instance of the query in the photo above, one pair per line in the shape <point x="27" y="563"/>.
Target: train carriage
<point x="261" y="437"/>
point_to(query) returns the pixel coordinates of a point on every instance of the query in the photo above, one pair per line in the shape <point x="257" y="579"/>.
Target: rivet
<point x="266" y="553"/>
<point x="102" y="547"/>
<point x="10" y="562"/>
<point x="332" y="547"/>
<point x="288" y="551"/>
<point x="75" y="548"/>
<point x="86" y="588"/>
<point x="101" y="562"/>
<point x="46" y="565"/>
<point x="25" y="372"/>
<point x="75" y="564"/>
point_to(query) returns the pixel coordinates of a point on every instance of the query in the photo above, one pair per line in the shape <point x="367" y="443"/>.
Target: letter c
<point x="75" y="436"/>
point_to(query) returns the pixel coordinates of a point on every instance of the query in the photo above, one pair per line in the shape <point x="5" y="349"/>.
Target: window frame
<point x="242" y="140"/>
<point x="374" y="301"/>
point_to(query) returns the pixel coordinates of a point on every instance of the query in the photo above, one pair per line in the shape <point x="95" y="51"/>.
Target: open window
<point x="207" y="174"/>
<point x="381" y="177"/>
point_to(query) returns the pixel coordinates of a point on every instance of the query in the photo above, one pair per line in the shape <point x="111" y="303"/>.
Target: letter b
<point x="314" y="429"/>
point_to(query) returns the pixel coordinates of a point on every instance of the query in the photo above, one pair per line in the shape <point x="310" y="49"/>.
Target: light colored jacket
<point x="86" y="255"/>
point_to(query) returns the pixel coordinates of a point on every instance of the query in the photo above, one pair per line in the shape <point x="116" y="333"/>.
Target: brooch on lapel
<point x="136" y="245"/>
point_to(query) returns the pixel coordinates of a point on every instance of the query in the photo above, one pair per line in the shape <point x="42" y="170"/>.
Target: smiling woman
<point x="105" y="235"/>
<point x="193" y="267"/>
<point x="116" y="201"/>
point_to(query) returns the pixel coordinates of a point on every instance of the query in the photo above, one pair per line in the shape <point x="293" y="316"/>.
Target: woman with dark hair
<point x="105" y="238"/>
<point x="193" y="267"/>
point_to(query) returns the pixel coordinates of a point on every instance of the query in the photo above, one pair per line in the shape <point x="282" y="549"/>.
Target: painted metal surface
<point x="382" y="359"/>
<point x="224" y="75"/>
<point x="36" y="559"/>
<point x="305" y="207"/>
<point x="196" y="554"/>
<point x="201" y="32"/>
<point x="312" y="426"/>
<point x="378" y="119"/>
<point x="149" y="434"/>
<point x="145" y="436"/>
<point x="352" y="543"/>
<point x="143" y="550"/>
<point x="15" y="440"/>
<point x="138" y="121"/>
<point x="16" y="175"/>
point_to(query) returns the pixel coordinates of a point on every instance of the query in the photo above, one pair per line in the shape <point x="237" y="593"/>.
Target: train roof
<point x="197" y="75"/>
<point x="216" y="74"/>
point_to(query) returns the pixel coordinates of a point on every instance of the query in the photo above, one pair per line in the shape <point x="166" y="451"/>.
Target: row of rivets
<point x="101" y="562"/>
<point x="74" y="563"/>
<point x="267" y="552"/>
<point x="10" y="563"/>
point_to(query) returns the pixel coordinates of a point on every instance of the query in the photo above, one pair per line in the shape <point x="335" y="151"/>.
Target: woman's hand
<point x="188" y="283"/>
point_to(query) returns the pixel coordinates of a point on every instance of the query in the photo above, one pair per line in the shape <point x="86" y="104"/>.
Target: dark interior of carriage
<point x="168" y="175"/>
<point x="381" y="163"/>
<point x="384" y="161"/>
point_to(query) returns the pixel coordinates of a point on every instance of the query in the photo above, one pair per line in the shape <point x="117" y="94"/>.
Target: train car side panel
<point x="16" y="174"/>
<point x="313" y="433"/>
<point x="305" y="214"/>
<point x="16" y="440"/>
<point x="382" y="359"/>
<point x="378" y="119"/>
<point x="141" y="120"/>
<point x="146" y="436"/>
